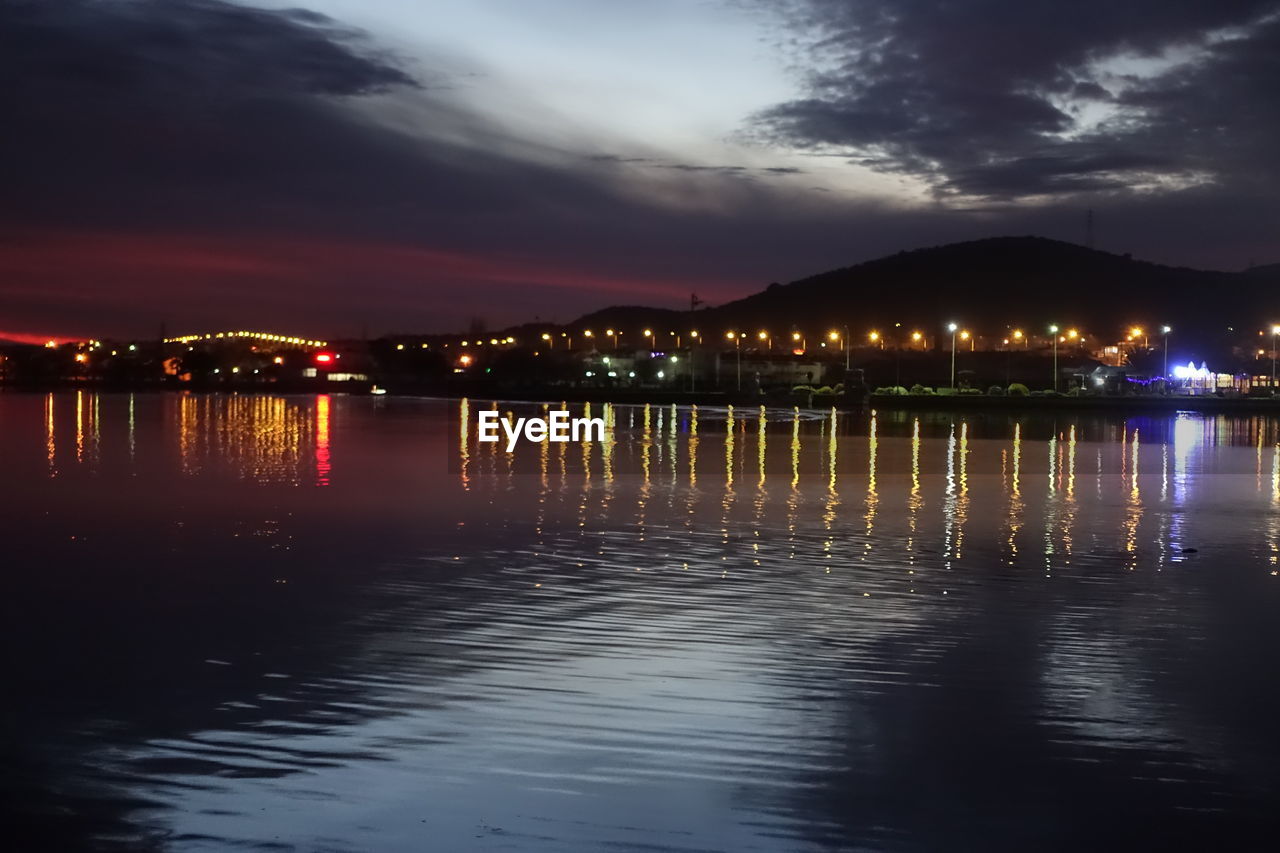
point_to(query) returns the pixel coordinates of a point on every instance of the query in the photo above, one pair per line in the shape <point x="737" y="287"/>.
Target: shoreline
<point x="917" y="402"/>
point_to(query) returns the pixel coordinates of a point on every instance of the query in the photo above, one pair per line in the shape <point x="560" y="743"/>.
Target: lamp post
<point x="737" y="345"/>
<point x="551" y="342"/>
<point x="952" y="327"/>
<point x="613" y="333"/>
<point x="693" y="381"/>
<point x="798" y="338"/>
<point x="1275" y="333"/>
<point x="764" y="336"/>
<point x="586" y="333"/>
<point x="1165" y="330"/>
<point x="1053" y="330"/>
<point x="653" y="342"/>
<point x="844" y="344"/>
<point x="874" y="337"/>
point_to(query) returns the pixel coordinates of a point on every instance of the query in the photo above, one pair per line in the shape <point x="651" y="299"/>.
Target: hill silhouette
<point x="988" y="286"/>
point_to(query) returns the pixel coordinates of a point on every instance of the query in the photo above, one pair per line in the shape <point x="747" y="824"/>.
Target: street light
<point x="1053" y="331"/>
<point x="764" y="336"/>
<point x="874" y="337"/>
<point x="965" y="336"/>
<point x="737" y="345"/>
<point x="798" y="338"/>
<point x="653" y="341"/>
<point x="613" y="333"/>
<point x="844" y="343"/>
<point x="834" y="335"/>
<point x="551" y="342"/>
<point x="1138" y="332"/>
<point x="1165" y="330"/>
<point x="1275" y="333"/>
<point x="952" y="327"/>
<point x="916" y="337"/>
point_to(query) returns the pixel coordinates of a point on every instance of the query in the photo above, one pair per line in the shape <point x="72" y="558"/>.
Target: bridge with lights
<point x="263" y="337"/>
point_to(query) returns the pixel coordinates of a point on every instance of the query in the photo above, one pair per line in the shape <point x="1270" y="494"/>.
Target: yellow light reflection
<point x="693" y="442"/>
<point x="464" y="450"/>
<point x="728" y="450"/>
<point x="322" y="440"/>
<point x="760" y="446"/>
<point x="873" y="499"/>
<point x="50" y="443"/>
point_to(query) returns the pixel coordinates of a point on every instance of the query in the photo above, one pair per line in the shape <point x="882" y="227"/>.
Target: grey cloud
<point x="992" y="97"/>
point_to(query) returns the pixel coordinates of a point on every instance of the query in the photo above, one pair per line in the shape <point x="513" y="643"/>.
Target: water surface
<point x="301" y="623"/>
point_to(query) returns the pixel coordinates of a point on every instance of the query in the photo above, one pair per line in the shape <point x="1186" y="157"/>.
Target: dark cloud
<point x="1011" y="98"/>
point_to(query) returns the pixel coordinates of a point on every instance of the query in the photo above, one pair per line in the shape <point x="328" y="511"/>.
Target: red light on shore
<point x="324" y="357"/>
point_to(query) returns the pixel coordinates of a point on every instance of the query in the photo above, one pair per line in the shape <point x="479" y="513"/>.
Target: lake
<point x="340" y="623"/>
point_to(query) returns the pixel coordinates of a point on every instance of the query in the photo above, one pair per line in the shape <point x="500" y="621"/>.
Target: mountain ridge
<point x="990" y="285"/>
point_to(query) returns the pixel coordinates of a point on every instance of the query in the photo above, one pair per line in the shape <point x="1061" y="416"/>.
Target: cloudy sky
<point x="407" y="165"/>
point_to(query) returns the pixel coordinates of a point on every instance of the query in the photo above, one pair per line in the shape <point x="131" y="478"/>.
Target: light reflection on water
<point x="339" y="623"/>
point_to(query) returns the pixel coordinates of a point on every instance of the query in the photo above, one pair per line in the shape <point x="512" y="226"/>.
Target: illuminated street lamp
<point x="737" y="345"/>
<point x="613" y="333"/>
<point x="1053" y="331"/>
<point x="874" y="337"/>
<point x="1275" y="333"/>
<point x="844" y="343"/>
<point x="798" y="338"/>
<point x="653" y="341"/>
<point x="1165" y="330"/>
<point x="917" y="337"/>
<point x="952" y="327"/>
<point x="1138" y="332"/>
<point x="551" y="342"/>
<point x="1018" y="336"/>
<point x="965" y="336"/>
<point x="587" y="333"/>
<point x="764" y="336"/>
